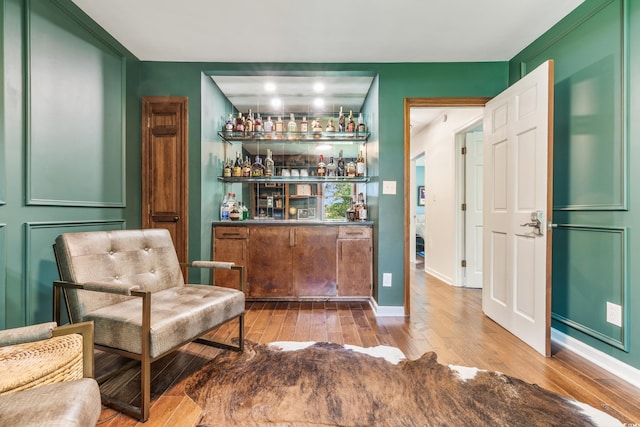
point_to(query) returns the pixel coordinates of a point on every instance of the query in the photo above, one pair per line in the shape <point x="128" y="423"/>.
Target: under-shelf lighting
<point x="318" y="103"/>
<point x="318" y="87"/>
<point x="323" y="147"/>
<point x="276" y="102"/>
<point x="270" y="87"/>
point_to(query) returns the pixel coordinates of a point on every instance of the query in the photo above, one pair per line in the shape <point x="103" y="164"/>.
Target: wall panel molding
<point x="76" y="98"/>
<point x="590" y="268"/>
<point x="40" y="268"/>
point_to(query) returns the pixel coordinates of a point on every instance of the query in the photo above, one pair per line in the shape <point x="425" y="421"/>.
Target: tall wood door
<point x="518" y="148"/>
<point x="164" y="168"/>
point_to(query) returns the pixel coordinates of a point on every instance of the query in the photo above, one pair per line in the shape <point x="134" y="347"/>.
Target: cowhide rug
<point x="308" y="384"/>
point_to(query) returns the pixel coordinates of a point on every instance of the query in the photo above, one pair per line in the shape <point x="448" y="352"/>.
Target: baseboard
<point x="446" y="279"/>
<point x="622" y="370"/>
<point x="386" y="311"/>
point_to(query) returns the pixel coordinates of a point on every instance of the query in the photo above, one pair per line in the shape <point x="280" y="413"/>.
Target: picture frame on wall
<point x="422" y="197"/>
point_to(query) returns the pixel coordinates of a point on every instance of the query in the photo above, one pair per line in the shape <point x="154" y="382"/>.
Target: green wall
<point x="596" y="196"/>
<point x="395" y="82"/>
<point x="69" y="104"/>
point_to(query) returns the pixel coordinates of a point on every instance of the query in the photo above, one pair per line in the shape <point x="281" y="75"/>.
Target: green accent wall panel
<point x="3" y="274"/>
<point x="40" y="266"/>
<point x="589" y="270"/>
<point x="76" y="89"/>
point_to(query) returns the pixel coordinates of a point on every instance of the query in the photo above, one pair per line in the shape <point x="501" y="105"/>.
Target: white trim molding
<point x="625" y="372"/>
<point x="386" y="310"/>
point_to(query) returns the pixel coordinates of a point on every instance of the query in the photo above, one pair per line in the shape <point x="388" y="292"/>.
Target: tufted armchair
<point x="130" y="284"/>
<point x="46" y="376"/>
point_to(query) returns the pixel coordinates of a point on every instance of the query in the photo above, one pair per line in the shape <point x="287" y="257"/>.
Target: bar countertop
<point x="289" y="222"/>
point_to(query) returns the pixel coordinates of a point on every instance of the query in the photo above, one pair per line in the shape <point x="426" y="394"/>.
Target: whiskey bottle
<point x="360" y="165"/>
<point x="330" y="126"/>
<point x="246" y="168"/>
<point x="304" y="125"/>
<point x="351" y="125"/>
<point x="257" y="124"/>
<point x="292" y="126"/>
<point x="226" y="171"/>
<point x="248" y="123"/>
<point x="320" y="167"/>
<point x="332" y="167"/>
<point x="237" y="166"/>
<point x="228" y="126"/>
<point x="279" y="125"/>
<point x="341" y="121"/>
<point x="257" y="168"/>
<point x="362" y="208"/>
<point x="317" y="127"/>
<point x="362" y="128"/>
<point x="268" y="125"/>
<point x="269" y="165"/>
<point x="341" y="165"/>
<point x="351" y="168"/>
<point x="239" y="123"/>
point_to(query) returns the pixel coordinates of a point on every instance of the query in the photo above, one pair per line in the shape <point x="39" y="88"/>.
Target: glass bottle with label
<point x="330" y="126"/>
<point x="226" y="171"/>
<point x="228" y="126"/>
<point x="257" y="168"/>
<point x="269" y="165"/>
<point x="362" y="128"/>
<point x="248" y="123"/>
<point x="292" y="126"/>
<point x="360" y="165"/>
<point x="257" y="124"/>
<point x="246" y="168"/>
<point x="341" y="121"/>
<point x="332" y="168"/>
<point x="304" y="125"/>
<point x="239" y="123"/>
<point x="341" y="166"/>
<point x="237" y="166"/>
<point x="321" y="167"/>
<point x="351" y="124"/>
<point x="317" y="127"/>
<point x="279" y="125"/>
<point x="351" y="168"/>
<point x="268" y="125"/>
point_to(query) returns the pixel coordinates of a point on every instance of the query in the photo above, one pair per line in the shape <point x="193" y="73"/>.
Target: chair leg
<point x="145" y="388"/>
<point x="239" y="347"/>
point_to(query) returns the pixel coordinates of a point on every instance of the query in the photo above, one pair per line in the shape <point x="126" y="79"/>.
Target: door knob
<point x="536" y="222"/>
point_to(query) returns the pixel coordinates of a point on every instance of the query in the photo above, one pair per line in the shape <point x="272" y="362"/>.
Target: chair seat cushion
<point x="178" y="315"/>
<point x="69" y="403"/>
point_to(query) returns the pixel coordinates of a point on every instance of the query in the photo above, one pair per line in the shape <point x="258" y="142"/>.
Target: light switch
<point x="388" y="187"/>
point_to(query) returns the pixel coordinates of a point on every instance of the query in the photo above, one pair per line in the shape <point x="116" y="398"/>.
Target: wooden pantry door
<point x="165" y="168"/>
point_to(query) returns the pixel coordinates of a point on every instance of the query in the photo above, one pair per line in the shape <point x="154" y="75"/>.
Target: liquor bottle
<point x="341" y="166"/>
<point x="237" y="166"/>
<point x="351" y="125"/>
<point x="257" y="124"/>
<point x="320" y="167"/>
<point x="269" y="165"/>
<point x="351" y="168"/>
<point x="279" y="125"/>
<point x="330" y="126"/>
<point x="226" y="172"/>
<point x="257" y="168"/>
<point x="362" y="208"/>
<point x="248" y="123"/>
<point x="341" y="121"/>
<point x="360" y="165"/>
<point x="268" y="125"/>
<point x="304" y="125"/>
<point x="239" y="123"/>
<point x="332" y="167"/>
<point x="234" y="213"/>
<point x="292" y="125"/>
<point x="362" y="128"/>
<point x="244" y="211"/>
<point x="317" y="127"/>
<point x="224" y="208"/>
<point x="246" y="168"/>
<point x="228" y="126"/>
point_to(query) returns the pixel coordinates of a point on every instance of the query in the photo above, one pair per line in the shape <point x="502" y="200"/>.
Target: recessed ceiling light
<point x="270" y="87"/>
<point x="318" y="87"/>
<point x="276" y="102"/>
<point x="318" y="103"/>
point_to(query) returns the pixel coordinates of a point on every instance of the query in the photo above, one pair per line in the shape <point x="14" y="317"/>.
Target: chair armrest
<point x="211" y="264"/>
<point x="86" y="330"/>
<point x="109" y="287"/>
<point x="41" y="331"/>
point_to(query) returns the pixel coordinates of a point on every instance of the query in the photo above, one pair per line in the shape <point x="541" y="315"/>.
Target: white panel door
<point x="473" y="213"/>
<point x="518" y="148"/>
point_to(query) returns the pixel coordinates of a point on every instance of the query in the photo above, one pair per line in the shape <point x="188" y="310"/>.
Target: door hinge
<point x="464" y="263"/>
<point x="464" y="150"/>
<point x="464" y="207"/>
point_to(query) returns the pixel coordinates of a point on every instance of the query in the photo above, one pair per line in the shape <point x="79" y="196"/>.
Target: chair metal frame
<point x="141" y="412"/>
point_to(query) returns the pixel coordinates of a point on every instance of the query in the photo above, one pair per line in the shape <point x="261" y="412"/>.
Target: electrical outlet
<point x="614" y="314"/>
<point x="386" y="280"/>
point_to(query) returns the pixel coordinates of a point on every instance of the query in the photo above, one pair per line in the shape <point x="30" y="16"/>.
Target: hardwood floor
<point x="443" y="319"/>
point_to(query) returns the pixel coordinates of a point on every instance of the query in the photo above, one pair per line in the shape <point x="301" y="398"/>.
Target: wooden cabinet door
<point x="230" y="244"/>
<point x="355" y="261"/>
<point x="314" y="261"/>
<point x="164" y="168"/>
<point x="269" y="274"/>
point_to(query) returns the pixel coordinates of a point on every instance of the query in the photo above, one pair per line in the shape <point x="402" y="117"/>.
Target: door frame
<point x="416" y="103"/>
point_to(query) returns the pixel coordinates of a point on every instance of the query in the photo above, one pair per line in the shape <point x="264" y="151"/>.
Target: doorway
<point x="433" y="199"/>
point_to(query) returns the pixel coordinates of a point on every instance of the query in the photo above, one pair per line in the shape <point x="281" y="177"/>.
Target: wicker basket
<point x="28" y="365"/>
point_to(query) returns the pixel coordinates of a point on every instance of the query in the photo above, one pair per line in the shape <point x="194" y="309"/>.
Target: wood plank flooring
<point x="443" y="319"/>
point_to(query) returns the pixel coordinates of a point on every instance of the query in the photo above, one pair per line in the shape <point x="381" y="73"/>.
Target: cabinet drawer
<point x="231" y="232"/>
<point x="354" y="232"/>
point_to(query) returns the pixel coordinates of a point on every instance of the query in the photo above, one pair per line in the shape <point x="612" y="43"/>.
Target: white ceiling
<point x="356" y="31"/>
